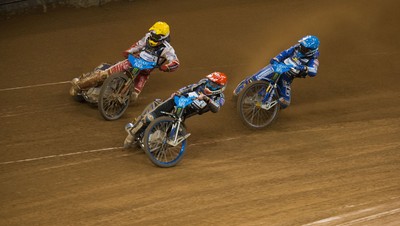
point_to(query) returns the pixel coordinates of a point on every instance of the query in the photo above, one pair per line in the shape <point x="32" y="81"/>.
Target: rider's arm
<point x="312" y="67"/>
<point x="169" y="55"/>
<point x="187" y="89"/>
<point x="309" y="69"/>
<point x="283" y="55"/>
<point x="192" y="87"/>
<point x="135" y="48"/>
<point x="215" y="102"/>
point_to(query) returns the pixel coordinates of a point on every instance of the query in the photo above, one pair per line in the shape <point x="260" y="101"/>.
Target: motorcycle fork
<point x="126" y="87"/>
<point x="128" y="83"/>
<point x="269" y="91"/>
<point x="177" y="126"/>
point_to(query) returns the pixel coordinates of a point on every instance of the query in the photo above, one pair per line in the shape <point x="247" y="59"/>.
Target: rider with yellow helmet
<point x="158" y="32"/>
<point x="154" y="46"/>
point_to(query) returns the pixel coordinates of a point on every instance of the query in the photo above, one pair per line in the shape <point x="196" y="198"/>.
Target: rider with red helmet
<point x="210" y="89"/>
<point x="210" y="98"/>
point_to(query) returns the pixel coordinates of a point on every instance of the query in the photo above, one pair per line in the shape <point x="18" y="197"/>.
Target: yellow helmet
<point x="158" y="32"/>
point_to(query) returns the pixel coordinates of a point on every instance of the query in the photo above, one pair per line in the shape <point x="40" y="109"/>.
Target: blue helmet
<point x="309" y="45"/>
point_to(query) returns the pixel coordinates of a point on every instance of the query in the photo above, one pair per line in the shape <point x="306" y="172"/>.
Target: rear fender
<point x="262" y="75"/>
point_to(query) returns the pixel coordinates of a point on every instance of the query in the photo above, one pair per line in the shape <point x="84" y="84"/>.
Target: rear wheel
<point x="252" y="111"/>
<point x="156" y="136"/>
<point x="112" y="101"/>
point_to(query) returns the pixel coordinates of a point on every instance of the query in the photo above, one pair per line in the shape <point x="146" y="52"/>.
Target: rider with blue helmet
<point x="303" y="55"/>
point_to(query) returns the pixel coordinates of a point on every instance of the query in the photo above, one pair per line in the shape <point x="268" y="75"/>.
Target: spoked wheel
<point x="157" y="142"/>
<point x="252" y="111"/>
<point x="113" y="103"/>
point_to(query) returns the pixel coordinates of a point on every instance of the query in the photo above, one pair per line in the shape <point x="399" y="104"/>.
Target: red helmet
<point x="216" y="83"/>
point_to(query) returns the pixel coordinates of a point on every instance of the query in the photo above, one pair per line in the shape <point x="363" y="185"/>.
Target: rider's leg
<point x="95" y="78"/>
<point x="91" y="80"/>
<point x="87" y="81"/>
<point x="144" y="120"/>
<point x="284" y="91"/>
<point x="139" y="81"/>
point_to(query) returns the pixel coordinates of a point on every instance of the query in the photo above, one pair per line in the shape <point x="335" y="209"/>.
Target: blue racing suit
<point x="291" y="56"/>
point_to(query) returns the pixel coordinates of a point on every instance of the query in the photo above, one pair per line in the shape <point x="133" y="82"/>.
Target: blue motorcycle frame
<point x="258" y="101"/>
<point x="165" y="137"/>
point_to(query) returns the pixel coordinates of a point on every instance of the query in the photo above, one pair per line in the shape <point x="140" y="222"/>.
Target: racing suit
<point x="163" y="54"/>
<point x="211" y="103"/>
<point x="291" y="56"/>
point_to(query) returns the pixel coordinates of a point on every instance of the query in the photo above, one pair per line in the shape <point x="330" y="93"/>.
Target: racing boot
<point x="134" y="96"/>
<point x="129" y="141"/>
<point x="284" y="102"/>
<point x="74" y="88"/>
<point x="132" y="129"/>
<point x="140" y="122"/>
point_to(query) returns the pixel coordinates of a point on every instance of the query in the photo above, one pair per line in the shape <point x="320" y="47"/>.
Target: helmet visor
<point x="212" y="85"/>
<point x="304" y="50"/>
<point x="156" y="37"/>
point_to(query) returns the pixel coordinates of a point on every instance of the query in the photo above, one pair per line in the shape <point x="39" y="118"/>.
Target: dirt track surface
<point x="332" y="157"/>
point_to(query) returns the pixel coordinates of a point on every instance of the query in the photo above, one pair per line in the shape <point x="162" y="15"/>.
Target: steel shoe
<point x="74" y="88"/>
<point x="134" y="97"/>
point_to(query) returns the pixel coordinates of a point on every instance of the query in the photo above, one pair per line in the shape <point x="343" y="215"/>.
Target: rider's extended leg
<point x="144" y="120"/>
<point x="87" y="81"/>
<point x="139" y="81"/>
<point x="285" y="91"/>
<point x="95" y="78"/>
<point x="92" y="80"/>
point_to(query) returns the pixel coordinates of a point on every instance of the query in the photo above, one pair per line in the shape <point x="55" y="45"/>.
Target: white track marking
<point x="345" y="217"/>
<point x="60" y="155"/>
<point x="33" y="86"/>
<point x="336" y="218"/>
<point x="98" y="150"/>
<point x="371" y="217"/>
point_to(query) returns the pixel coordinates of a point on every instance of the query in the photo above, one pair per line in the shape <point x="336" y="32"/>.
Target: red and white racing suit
<point x="163" y="54"/>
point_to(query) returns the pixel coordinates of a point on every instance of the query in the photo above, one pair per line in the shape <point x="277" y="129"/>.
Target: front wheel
<point x="157" y="140"/>
<point x="252" y="111"/>
<point x="114" y="97"/>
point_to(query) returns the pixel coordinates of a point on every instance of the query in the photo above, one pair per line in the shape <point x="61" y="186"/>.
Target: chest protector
<point x="153" y="54"/>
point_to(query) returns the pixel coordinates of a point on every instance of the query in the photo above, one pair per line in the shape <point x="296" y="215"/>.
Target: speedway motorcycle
<point x="113" y="96"/>
<point x="165" y="139"/>
<point x="258" y="98"/>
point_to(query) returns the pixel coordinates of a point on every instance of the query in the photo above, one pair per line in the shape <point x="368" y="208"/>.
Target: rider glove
<point x="292" y="72"/>
<point x="164" y="68"/>
<point x="274" y="61"/>
<point x="302" y="68"/>
<point x="177" y="93"/>
<point x="170" y="67"/>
